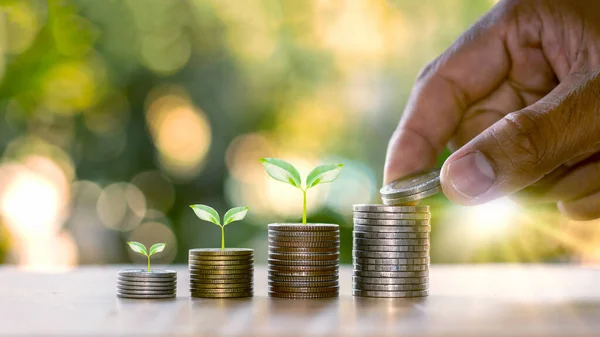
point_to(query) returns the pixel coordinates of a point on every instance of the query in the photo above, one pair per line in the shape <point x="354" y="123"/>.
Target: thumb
<point x="521" y="148"/>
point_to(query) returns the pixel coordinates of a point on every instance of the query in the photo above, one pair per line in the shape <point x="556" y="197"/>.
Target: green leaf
<point x="206" y="213"/>
<point x="282" y="171"/>
<point x="157" y="248"/>
<point x="234" y="214"/>
<point x="138" y="247"/>
<point x="323" y="174"/>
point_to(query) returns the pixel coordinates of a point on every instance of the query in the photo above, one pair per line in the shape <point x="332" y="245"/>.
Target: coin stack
<point x="391" y="251"/>
<point x="304" y="260"/>
<point x="221" y="273"/>
<point x="412" y="188"/>
<point x="141" y="284"/>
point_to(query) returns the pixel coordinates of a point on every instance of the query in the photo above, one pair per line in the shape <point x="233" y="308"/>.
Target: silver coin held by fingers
<point x="411" y="188"/>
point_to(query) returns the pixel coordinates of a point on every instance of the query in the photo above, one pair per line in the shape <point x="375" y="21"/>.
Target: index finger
<point x="467" y="72"/>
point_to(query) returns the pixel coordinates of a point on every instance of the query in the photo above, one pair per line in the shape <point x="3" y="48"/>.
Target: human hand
<point x="517" y="98"/>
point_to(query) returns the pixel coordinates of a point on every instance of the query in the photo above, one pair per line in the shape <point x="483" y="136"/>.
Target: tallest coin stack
<point x="391" y="243"/>
<point x="391" y="251"/>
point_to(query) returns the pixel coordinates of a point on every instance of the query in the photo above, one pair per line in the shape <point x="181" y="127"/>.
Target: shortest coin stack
<point x="221" y="273"/>
<point x="141" y="284"/>
<point x="304" y="260"/>
<point x="391" y="251"/>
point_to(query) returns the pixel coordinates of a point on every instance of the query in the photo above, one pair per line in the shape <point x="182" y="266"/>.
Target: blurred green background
<point x="118" y="114"/>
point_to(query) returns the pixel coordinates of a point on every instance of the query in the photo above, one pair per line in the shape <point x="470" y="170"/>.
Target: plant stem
<point x="148" y="263"/>
<point x="222" y="237"/>
<point x="304" y="208"/>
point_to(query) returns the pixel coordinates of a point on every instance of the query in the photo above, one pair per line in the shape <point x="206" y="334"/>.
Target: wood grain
<point x="473" y="300"/>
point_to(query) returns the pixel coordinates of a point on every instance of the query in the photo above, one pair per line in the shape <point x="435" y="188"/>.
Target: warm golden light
<point x="493" y="219"/>
<point x="341" y="32"/>
<point x="34" y="195"/>
<point x="26" y="191"/>
<point x="310" y="126"/>
<point x="52" y="253"/>
<point x="580" y="238"/>
<point x="181" y="132"/>
<point x="243" y="154"/>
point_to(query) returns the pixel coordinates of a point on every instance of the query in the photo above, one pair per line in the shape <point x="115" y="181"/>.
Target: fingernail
<point x="471" y="175"/>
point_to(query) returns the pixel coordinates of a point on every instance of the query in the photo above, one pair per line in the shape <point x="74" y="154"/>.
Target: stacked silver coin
<point x="218" y="273"/>
<point x="412" y="188"/>
<point x="391" y="251"/>
<point x="141" y="284"/>
<point x="304" y="260"/>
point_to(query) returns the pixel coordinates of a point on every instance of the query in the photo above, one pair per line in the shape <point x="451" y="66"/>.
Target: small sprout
<point x="283" y="171"/>
<point x="140" y="248"/>
<point x="208" y="213"/>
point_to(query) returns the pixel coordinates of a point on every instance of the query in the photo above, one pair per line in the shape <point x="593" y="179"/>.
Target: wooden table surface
<point x="465" y="300"/>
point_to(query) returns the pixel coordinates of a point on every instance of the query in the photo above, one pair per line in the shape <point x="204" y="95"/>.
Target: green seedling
<point x="140" y="248"/>
<point x="287" y="173"/>
<point x="208" y="213"/>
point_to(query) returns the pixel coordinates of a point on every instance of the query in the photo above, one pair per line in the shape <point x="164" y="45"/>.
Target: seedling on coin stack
<point x="140" y="248"/>
<point x="146" y="284"/>
<point x="209" y="214"/>
<point x="221" y="272"/>
<point x="303" y="258"/>
<point x="285" y="172"/>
